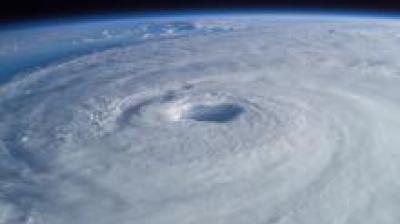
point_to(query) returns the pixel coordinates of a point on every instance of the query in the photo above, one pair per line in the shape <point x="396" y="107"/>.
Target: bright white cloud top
<point x="240" y="119"/>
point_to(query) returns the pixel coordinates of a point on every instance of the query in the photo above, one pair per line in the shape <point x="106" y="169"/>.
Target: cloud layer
<point x="271" y="120"/>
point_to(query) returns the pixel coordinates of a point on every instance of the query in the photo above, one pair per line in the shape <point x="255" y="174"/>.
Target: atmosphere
<point x="31" y="9"/>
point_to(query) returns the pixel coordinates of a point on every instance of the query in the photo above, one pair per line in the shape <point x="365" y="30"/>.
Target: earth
<point x="214" y="118"/>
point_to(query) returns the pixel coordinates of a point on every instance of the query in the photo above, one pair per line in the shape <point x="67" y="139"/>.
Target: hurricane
<point x="240" y="119"/>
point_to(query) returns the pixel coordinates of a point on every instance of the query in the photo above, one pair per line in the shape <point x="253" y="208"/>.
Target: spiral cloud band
<point x="243" y="120"/>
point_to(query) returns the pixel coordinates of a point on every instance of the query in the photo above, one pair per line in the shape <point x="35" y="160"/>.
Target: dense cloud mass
<point x="244" y="120"/>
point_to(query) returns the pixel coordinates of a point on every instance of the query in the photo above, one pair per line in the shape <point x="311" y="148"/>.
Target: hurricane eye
<point x="221" y="113"/>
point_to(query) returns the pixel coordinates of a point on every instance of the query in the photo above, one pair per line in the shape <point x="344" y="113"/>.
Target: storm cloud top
<point x="231" y="120"/>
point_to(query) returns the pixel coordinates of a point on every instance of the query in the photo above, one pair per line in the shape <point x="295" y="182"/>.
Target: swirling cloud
<point x="272" y="121"/>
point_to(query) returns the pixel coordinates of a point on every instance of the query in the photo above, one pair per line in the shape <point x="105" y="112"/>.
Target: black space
<point x="16" y="10"/>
